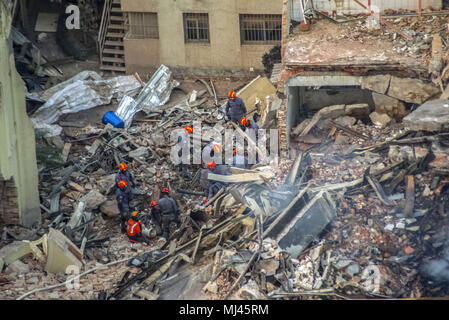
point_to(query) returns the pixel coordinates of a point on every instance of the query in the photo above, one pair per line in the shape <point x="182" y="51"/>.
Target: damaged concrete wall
<point x="224" y="52"/>
<point x="18" y="157"/>
<point x="351" y="7"/>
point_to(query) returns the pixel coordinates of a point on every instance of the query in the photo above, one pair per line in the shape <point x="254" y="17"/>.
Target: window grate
<point x="260" y="28"/>
<point x="196" y="27"/>
<point x="142" y="25"/>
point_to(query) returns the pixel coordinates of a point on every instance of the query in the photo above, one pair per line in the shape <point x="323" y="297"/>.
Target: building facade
<point x="194" y="35"/>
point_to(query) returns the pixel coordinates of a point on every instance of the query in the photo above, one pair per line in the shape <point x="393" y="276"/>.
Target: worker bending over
<point x="134" y="228"/>
<point x="215" y="186"/>
<point x="235" y="108"/>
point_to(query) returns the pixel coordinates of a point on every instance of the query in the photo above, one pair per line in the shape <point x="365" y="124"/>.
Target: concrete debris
<point x="430" y="116"/>
<point x="18" y="267"/>
<point x="380" y="120"/>
<point x="411" y="90"/>
<point x="62" y="253"/>
<point x="93" y="199"/>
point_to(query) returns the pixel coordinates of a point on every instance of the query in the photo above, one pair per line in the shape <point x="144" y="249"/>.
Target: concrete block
<point x="431" y="116"/>
<point x="376" y="83"/>
<point x="14" y="251"/>
<point x="93" y="199"/>
<point x="411" y="90"/>
<point x="61" y="253"/>
<point x="306" y="226"/>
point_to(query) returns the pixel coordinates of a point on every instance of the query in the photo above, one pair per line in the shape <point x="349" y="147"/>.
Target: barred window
<point x="260" y="28"/>
<point x="196" y="27"/>
<point x="142" y="25"/>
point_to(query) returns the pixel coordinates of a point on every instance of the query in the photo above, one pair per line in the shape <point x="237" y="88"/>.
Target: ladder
<point x="110" y="38"/>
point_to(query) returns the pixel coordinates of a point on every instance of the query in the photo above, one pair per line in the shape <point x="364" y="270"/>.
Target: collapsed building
<point x="355" y="206"/>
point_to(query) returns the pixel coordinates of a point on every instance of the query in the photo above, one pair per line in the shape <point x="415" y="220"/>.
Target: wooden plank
<point x="66" y="151"/>
<point x="409" y="196"/>
<point x="237" y="178"/>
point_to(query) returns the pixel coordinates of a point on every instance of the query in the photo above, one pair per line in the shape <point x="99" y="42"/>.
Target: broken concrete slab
<point x="62" y="253"/>
<point x="106" y="184"/>
<point x="93" y="199"/>
<point x="14" y="251"/>
<point x="250" y="291"/>
<point x="255" y="92"/>
<point x="360" y="110"/>
<point x="140" y="153"/>
<point x="306" y="225"/>
<point x="380" y="120"/>
<point x="378" y="83"/>
<point x="411" y="90"/>
<point x="18" y="267"/>
<point x="110" y="208"/>
<point x="391" y="106"/>
<point x="431" y="116"/>
<point x="270" y="266"/>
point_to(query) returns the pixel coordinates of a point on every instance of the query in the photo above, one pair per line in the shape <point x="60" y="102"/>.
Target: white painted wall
<point x="351" y="7"/>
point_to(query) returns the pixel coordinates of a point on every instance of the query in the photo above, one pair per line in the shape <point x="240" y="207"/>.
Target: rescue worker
<point x="124" y="175"/>
<point x="215" y="186"/>
<point x="169" y="212"/>
<point x="134" y="228"/>
<point x="251" y="125"/>
<point x="235" y="108"/>
<point x="182" y="140"/>
<point x="123" y="196"/>
<point x="238" y="161"/>
<point x="156" y="217"/>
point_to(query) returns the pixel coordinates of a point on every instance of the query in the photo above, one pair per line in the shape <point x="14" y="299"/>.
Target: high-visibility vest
<point x="133" y="227"/>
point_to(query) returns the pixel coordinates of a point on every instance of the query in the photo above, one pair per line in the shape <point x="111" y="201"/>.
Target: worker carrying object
<point x="250" y="125"/>
<point x="235" y="108"/>
<point x="215" y="186"/>
<point x="134" y="228"/>
<point x="169" y="212"/>
<point x="125" y="175"/>
<point x="123" y="196"/>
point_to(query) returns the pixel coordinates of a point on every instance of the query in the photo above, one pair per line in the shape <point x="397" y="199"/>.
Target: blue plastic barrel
<point x="112" y="118"/>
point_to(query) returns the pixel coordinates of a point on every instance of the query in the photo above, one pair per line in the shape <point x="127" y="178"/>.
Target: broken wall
<point x="18" y="156"/>
<point x="224" y="50"/>
<point x="351" y="7"/>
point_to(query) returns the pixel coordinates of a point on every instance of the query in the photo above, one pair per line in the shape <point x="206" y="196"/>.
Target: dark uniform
<point x="169" y="213"/>
<point x="123" y="197"/>
<point x="215" y="186"/>
<point x="235" y="110"/>
<point x="182" y="139"/>
<point x="156" y="219"/>
<point x="239" y="161"/>
<point x="125" y="176"/>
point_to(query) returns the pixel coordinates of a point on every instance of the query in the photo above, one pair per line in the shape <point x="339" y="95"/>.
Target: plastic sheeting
<point x="83" y="95"/>
<point x="155" y="94"/>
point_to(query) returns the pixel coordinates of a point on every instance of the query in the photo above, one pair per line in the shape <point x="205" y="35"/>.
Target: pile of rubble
<point x="359" y="212"/>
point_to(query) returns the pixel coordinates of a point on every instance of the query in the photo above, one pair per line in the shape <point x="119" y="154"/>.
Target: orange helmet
<point x="231" y="94"/>
<point x="123" y="166"/>
<point x="153" y="203"/>
<point x="234" y="152"/>
<point x="244" y="121"/>
<point x="217" y="148"/>
<point x="189" y="129"/>
<point x="122" y="184"/>
<point x="165" y="190"/>
<point x="211" y="165"/>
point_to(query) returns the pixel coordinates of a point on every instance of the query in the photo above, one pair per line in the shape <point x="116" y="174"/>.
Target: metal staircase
<point x="110" y="37"/>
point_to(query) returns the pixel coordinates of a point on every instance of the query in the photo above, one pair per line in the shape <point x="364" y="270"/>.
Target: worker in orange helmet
<point x="125" y="175"/>
<point x="215" y="186"/>
<point x="235" y="108"/>
<point x="134" y="228"/>
<point x="123" y="196"/>
<point x="169" y="212"/>
<point x="156" y="217"/>
<point x="183" y="142"/>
